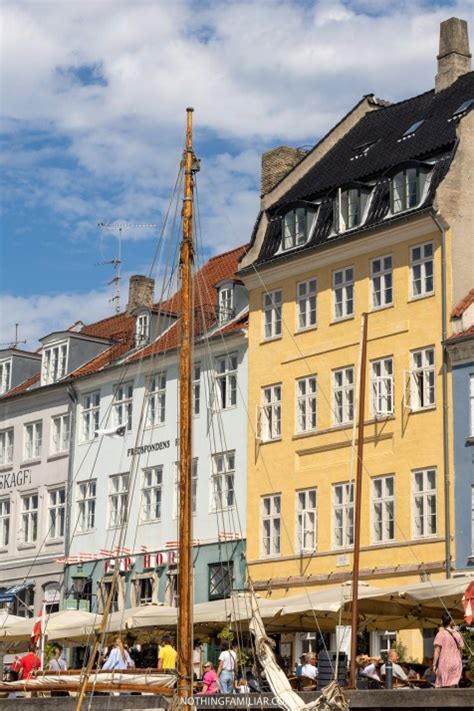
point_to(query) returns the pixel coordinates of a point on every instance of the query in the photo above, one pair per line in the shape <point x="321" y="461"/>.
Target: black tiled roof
<point x="435" y="139"/>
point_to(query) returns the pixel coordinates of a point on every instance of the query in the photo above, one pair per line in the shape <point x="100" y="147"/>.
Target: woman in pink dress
<point x="209" y="679"/>
<point x="447" y="660"/>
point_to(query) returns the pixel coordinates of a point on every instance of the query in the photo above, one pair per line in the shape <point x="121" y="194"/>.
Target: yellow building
<point x="376" y="218"/>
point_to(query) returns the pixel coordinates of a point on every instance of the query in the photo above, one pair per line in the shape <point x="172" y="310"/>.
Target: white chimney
<point x="454" y="58"/>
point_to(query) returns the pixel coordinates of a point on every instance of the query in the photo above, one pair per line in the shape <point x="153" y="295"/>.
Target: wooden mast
<point x="185" y="587"/>
<point x="358" y="501"/>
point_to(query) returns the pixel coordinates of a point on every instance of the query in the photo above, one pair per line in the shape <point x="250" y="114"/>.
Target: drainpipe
<point x="442" y="226"/>
<point x="72" y="393"/>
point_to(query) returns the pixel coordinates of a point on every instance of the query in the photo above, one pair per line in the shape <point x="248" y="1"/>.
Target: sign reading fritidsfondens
<point x="10" y="480"/>
<point x="154" y="447"/>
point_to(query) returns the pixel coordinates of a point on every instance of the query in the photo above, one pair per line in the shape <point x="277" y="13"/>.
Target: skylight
<point x="362" y="149"/>
<point x="414" y="127"/>
<point x="463" y="108"/>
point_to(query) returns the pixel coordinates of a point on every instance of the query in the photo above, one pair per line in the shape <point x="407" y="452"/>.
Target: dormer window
<point x="349" y="208"/>
<point x="142" y="329"/>
<point x="5" y="376"/>
<point x="296" y="227"/>
<point x="54" y="363"/>
<point x="226" y="303"/>
<point x="406" y="189"/>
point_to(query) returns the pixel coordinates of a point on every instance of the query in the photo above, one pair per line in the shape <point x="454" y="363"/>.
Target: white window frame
<point x="225" y="381"/>
<point x="403" y="183"/>
<point x="383" y="508"/>
<point x="343" y="290"/>
<point x="60" y="434"/>
<point x="226" y="304"/>
<point x="156" y="400"/>
<point x="90" y="415"/>
<point x="5" y="517"/>
<point x="381" y="282"/>
<point x="306" y="404"/>
<point x="142" y="329"/>
<point x="306" y="304"/>
<point x="196" y="389"/>
<point x="194" y="485"/>
<point x="343" y="395"/>
<point x="272" y="314"/>
<point x="350" y="208"/>
<point x="422" y="271"/>
<point x="56" y="513"/>
<point x="33" y="432"/>
<point x="271" y="515"/>
<point x="122" y="405"/>
<point x="152" y="494"/>
<point x="7" y="440"/>
<point x="346" y="507"/>
<point x="422" y="380"/>
<point x="382" y="401"/>
<point x="295" y="228"/>
<point x="5" y="375"/>
<point x="271" y="412"/>
<point x="118" y="499"/>
<point x="29" y="517"/>
<point x="306" y="520"/>
<point x="54" y="362"/>
<point x="222" y="491"/>
<point x="471" y="404"/>
<point x="86" y="505"/>
<point x="424" y="495"/>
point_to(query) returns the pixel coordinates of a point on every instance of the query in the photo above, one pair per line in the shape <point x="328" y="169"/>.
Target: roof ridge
<point x="224" y="254"/>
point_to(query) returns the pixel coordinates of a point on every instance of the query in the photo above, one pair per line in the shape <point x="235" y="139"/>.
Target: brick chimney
<point x="276" y="164"/>
<point x="454" y="58"/>
<point x="141" y="292"/>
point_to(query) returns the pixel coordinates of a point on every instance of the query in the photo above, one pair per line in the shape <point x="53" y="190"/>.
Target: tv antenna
<point x="117" y="261"/>
<point x="16" y="342"/>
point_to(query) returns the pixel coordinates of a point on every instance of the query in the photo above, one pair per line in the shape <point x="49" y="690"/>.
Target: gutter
<point x="72" y="393"/>
<point x="442" y="225"/>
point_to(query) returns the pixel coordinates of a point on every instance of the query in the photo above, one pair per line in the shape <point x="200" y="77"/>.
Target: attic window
<point x="362" y="149"/>
<point x="406" y="189"/>
<point x="226" y="304"/>
<point x="296" y="227"/>
<point x="465" y="106"/>
<point x="411" y="130"/>
<point x="349" y="208"/>
<point x="142" y="329"/>
<point x="54" y="363"/>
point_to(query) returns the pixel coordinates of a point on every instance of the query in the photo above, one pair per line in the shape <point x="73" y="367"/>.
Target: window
<point x="382" y="282"/>
<point x="29" y="518"/>
<point x="465" y="106"/>
<point x="4" y="522"/>
<point x="382" y="387"/>
<point x="296" y="227"/>
<point x="343" y="498"/>
<point x="422" y="282"/>
<point x="383" y="642"/>
<point x="156" y="410"/>
<point x="271" y="525"/>
<point x="226" y="381"/>
<point x="424" y="492"/>
<point x="271" y="412"/>
<point x="145" y="591"/>
<point x="6" y="446"/>
<point x="306" y="304"/>
<point x="24" y="604"/>
<point x="343" y="293"/>
<point x="86" y="505"/>
<point x="422" y="379"/>
<point x="272" y="314"/>
<point x="471" y="404"/>
<point x="220" y="580"/>
<point x="152" y="493"/>
<point x="54" y="363"/>
<point x="411" y="130"/>
<point x="343" y="384"/>
<point x="118" y="499"/>
<point x="349" y="208"/>
<point x="196" y="389"/>
<point x="122" y="405"/>
<point x="5" y="376"/>
<point x="107" y="589"/>
<point x="90" y="415"/>
<point x="57" y="511"/>
<point x="406" y="189"/>
<point x="383" y="508"/>
<point x="60" y="434"/>
<point x="142" y="330"/>
<point x="52" y="597"/>
<point x="222" y="481"/>
<point x="33" y="438"/>
<point x="226" y="304"/>
<point x="306" y="404"/>
<point x="306" y="520"/>
<point x="194" y="481"/>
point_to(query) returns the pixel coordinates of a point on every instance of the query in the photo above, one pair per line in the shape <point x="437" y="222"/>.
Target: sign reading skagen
<point x="12" y="479"/>
<point x="145" y="448"/>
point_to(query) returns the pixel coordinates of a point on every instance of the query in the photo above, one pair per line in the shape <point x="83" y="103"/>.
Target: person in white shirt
<point x="226" y="668"/>
<point x="310" y="669"/>
<point x="398" y="672"/>
<point x="118" y="658"/>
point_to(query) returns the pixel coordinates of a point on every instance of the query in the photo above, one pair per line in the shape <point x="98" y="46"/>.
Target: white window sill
<point x="342" y="319"/>
<point x="222" y="510"/>
<point x="269" y="441"/>
<point x="152" y="427"/>
<point x="54" y="541"/>
<point x="416" y="411"/>
<point x="5" y="467"/>
<point x="29" y="462"/>
<point x="151" y="520"/>
<point x="57" y="455"/>
<point x="270" y="339"/>
<point x="88" y="441"/>
<point x="270" y="556"/>
<point x="306" y="433"/>
<point x="428" y="537"/>
<point x="84" y="533"/>
<point x="374" y="309"/>
<point x="306" y="329"/>
<point x="421" y="297"/>
<point x="26" y="546"/>
<point x="4" y="550"/>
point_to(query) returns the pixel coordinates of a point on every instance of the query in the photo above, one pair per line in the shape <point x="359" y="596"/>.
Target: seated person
<point x="398" y="674"/>
<point x="310" y="670"/>
<point x="209" y="679"/>
<point x="368" y="666"/>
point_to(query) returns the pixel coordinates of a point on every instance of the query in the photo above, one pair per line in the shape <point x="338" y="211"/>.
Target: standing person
<point x="447" y="660"/>
<point x="226" y="668"/>
<point x="167" y="656"/>
<point x="118" y="658"/>
<point x="29" y="663"/>
<point x="57" y="663"/>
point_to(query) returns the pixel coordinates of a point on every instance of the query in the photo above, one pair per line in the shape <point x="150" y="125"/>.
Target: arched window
<point x="349" y="208"/>
<point x="52" y="597"/>
<point x="297" y="225"/>
<point x="406" y="189"/>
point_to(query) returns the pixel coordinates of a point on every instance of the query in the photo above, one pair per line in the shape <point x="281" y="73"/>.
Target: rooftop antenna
<point x="16" y="342"/>
<point x="117" y="261"/>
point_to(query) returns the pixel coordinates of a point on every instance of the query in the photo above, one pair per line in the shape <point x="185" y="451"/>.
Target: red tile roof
<point x="22" y="387"/>
<point x="458" y="310"/>
<point x="462" y="335"/>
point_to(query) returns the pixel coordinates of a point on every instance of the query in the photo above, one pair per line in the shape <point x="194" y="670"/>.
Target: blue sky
<point x="93" y="97"/>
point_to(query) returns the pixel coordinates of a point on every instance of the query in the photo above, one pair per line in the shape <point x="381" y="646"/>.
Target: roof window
<point x="461" y="110"/>
<point x="406" y="189"/>
<point x="297" y="225"/>
<point x="349" y="208"/>
<point x="411" y="130"/>
<point x="362" y="149"/>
